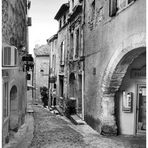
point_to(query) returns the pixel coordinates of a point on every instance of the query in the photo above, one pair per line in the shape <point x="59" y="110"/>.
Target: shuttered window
<point x="115" y="5"/>
<point x="77" y="44"/>
<point x="112" y="7"/>
<point x="62" y="54"/>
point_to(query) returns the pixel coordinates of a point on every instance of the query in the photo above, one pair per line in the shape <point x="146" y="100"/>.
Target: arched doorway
<point x="130" y="99"/>
<point x="112" y="80"/>
<point x="13" y="108"/>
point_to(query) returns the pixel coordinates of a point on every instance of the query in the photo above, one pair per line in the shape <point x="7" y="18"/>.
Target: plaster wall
<point x="41" y="78"/>
<point x="14" y="33"/>
<point x="103" y="37"/>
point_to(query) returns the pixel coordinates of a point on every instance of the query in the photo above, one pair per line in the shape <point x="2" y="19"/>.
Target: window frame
<point x="114" y="8"/>
<point x="62" y="52"/>
<point x="77" y="45"/>
<point x="5" y="97"/>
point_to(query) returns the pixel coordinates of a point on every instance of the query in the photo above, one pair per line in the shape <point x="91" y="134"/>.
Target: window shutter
<point x="112" y="7"/>
<point x="63" y="54"/>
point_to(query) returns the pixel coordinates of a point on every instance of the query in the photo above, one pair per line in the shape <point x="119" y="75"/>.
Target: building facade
<point x="115" y="66"/>
<point x="62" y="56"/>
<point x="105" y="63"/>
<point x="41" y="70"/>
<point x="52" y="42"/>
<point x="75" y="56"/>
<point x="14" y="47"/>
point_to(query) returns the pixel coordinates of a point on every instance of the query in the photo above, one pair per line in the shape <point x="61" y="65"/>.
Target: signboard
<point x="139" y="73"/>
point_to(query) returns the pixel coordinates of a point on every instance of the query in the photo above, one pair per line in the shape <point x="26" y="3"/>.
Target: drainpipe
<point x="83" y="71"/>
<point x="49" y="101"/>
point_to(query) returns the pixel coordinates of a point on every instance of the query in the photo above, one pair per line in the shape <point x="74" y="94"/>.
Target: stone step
<point x="77" y="120"/>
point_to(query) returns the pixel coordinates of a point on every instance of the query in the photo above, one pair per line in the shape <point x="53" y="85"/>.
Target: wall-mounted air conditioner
<point x="29" y="21"/>
<point x="9" y="56"/>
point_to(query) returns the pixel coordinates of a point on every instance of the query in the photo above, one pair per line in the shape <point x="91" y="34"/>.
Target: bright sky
<point x="43" y="23"/>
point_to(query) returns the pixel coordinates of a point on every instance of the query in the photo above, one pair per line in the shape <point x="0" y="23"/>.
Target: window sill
<point x="10" y="67"/>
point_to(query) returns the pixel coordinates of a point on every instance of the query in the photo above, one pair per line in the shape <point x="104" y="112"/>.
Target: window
<point x="115" y="5"/>
<point x="93" y="6"/>
<point x="53" y="65"/>
<point x="112" y="7"/>
<point x="72" y="4"/>
<point x="62" y="54"/>
<point x="77" y="44"/>
<point x="123" y="3"/>
<point x="60" y="24"/>
<point x="64" y="19"/>
<point x="5" y="100"/>
<point x="71" y="46"/>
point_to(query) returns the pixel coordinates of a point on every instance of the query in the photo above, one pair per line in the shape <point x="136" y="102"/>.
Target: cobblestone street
<point x="55" y="131"/>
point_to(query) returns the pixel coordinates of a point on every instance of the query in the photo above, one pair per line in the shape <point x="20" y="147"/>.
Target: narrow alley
<point x="74" y="74"/>
<point x="56" y="131"/>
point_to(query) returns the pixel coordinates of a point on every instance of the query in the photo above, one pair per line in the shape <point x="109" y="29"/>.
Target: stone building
<point x="75" y="56"/>
<point x="14" y="47"/>
<point x="115" y="66"/>
<point x="53" y="65"/>
<point x="106" y="47"/>
<point x="41" y="69"/>
<point x="62" y="46"/>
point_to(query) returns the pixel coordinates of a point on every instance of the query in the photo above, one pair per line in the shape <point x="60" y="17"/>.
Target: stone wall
<point x="14" y="22"/>
<point x="41" y="74"/>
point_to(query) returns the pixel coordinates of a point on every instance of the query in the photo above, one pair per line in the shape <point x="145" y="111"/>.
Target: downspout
<point x="49" y="101"/>
<point x="83" y="71"/>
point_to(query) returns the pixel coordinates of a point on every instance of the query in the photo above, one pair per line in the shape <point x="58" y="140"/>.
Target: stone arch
<point x="113" y="76"/>
<point x="13" y="108"/>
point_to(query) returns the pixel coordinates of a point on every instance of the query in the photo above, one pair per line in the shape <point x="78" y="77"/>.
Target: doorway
<point x="141" y="109"/>
<point x="61" y="86"/>
<point x="13" y="109"/>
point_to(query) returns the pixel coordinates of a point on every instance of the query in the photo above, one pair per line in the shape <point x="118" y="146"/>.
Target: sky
<point x="44" y="25"/>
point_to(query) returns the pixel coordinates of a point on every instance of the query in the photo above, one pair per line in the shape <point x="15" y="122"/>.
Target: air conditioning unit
<point x="9" y="56"/>
<point x="29" y="21"/>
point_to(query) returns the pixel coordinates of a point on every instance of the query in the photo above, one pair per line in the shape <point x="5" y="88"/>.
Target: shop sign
<point x="138" y="73"/>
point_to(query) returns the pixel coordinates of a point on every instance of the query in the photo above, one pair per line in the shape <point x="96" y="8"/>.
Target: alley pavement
<point x="55" y="131"/>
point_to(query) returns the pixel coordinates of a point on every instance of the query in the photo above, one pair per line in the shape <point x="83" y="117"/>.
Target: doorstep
<point x="77" y="120"/>
<point x="59" y="110"/>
